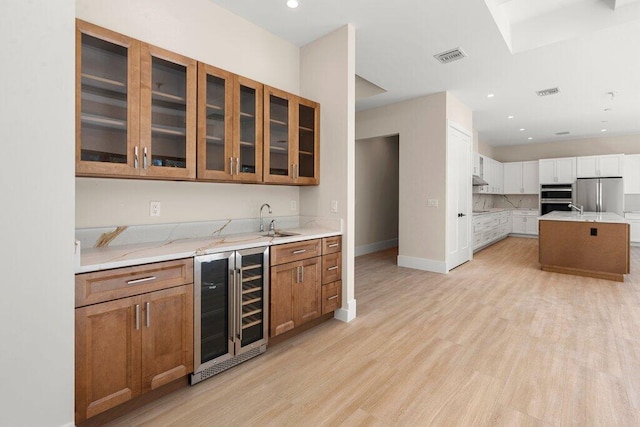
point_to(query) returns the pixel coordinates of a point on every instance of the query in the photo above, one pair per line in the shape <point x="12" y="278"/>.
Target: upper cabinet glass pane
<point x="279" y="136"/>
<point x="306" y="142"/>
<point x="103" y="101"/>
<point x="247" y="129"/>
<point x="215" y="133"/>
<point x="168" y="114"/>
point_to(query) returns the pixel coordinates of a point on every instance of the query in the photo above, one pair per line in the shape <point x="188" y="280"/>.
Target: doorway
<point x="377" y="194"/>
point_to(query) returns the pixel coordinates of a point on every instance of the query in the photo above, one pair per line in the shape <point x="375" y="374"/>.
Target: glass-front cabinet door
<point x="107" y="101"/>
<point x="247" y="139"/>
<point x="279" y="136"/>
<point x="215" y="124"/>
<point x="167" y="114"/>
<point x="308" y="162"/>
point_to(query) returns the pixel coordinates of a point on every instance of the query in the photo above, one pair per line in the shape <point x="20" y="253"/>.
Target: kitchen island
<point x="589" y="244"/>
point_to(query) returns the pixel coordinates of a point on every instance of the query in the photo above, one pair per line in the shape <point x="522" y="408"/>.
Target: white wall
<point x="569" y="148"/>
<point x="327" y="69"/>
<point x="108" y="202"/>
<point x="421" y="125"/>
<point x="36" y="183"/>
<point x="377" y="188"/>
<point x="204" y="31"/>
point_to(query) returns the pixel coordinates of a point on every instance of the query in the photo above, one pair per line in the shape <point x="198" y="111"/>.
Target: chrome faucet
<point x="261" y="219"/>
<point x="578" y="208"/>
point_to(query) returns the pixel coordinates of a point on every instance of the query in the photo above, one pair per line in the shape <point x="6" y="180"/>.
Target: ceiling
<point x="586" y="48"/>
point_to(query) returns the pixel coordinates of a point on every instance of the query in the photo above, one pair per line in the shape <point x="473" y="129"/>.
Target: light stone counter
<point x="124" y="246"/>
<point x="608" y="217"/>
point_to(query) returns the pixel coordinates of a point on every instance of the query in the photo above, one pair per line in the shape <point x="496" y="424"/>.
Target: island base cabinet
<point x="129" y="346"/>
<point x="295" y="294"/>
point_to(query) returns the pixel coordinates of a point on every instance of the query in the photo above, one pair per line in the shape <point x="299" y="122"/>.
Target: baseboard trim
<point x="346" y="314"/>
<point x="422" y="264"/>
<point x="528" y="236"/>
<point x="376" y="247"/>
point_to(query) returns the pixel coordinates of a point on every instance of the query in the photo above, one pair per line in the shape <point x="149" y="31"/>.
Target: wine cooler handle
<point x="234" y="328"/>
<point x="239" y="285"/>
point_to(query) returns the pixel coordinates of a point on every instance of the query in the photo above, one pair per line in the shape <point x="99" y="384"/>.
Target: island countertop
<point x="609" y="217"/>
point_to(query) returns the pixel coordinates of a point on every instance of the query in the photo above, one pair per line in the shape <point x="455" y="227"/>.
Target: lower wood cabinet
<point x="128" y="346"/>
<point x="295" y="294"/>
<point x="305" y="282"/>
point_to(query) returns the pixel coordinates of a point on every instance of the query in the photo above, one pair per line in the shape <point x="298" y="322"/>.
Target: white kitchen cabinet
<point x="492" y="173"/>
<point x="600" y="166"/>
<point x="498" y="175"/>
<point x="634" y="223"/>
<point x="490" y="227"/>
<point x="631" y="174"/>
<point x="524" y="222"/>
<point x="557" y="171"/>
<point x="476" y="164"/>
<point x="521" y="178"/>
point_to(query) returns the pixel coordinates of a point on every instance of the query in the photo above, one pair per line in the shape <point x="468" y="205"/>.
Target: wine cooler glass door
<point x="253" y="298"/>
<point x="214" y="313"/>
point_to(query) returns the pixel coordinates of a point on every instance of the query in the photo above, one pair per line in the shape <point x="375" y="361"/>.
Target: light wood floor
<point x="495" y="342"/>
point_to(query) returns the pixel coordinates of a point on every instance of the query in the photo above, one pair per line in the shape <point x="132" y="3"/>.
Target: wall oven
<point x="231" y="303"/>
<point x="555" y="197"/>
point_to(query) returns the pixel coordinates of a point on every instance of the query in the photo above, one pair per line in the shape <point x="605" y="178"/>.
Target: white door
<point x="459" y="249"/>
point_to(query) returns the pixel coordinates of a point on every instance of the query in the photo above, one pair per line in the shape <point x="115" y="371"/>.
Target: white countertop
<point x="95" y="259"/>
<point x="585" y="217"/>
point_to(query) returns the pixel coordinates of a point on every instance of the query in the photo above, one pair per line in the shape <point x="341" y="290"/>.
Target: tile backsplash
<point x="488" y="201"/>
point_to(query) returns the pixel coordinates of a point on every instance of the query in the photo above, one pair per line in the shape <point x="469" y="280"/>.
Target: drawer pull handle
<point x="299" y="251"/>
<point x="333" y="297"/>
<point x="144" y="279"/>
<point x="335" y="267"/>
<point x="334" y="245"/>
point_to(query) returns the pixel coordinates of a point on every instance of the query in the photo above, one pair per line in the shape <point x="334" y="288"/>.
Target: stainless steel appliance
<point x="231" y="303"/>
<point x="600" y="195"/>
<point x="555" y="197"/>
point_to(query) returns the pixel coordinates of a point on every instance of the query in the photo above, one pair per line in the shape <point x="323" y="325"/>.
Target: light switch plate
<point x="432" y="203"/>
<point x="334" y="206"/>
<point x="294" y="206"/>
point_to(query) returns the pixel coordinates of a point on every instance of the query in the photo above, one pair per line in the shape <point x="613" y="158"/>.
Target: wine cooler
<point x="231" y="305"/>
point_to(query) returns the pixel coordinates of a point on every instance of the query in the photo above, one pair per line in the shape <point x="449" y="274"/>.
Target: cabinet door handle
<point x="231" y="166"/>
<point x="301" y="274"/>
<point x="148" y="314"/>
<point x="297" y="171"/>
<point x="144" y="279"/>
<point x="137" y="317"/>
<point x="333" y="297"/>
<point x="299" y="251"/>
<point x="144" y="158"/>
<point x="237" y="165"/>
<point x="335" y="267"/>
<point x="334" y="245"/>
<point x="298" y="274"/>
<point x="135" y="157"/>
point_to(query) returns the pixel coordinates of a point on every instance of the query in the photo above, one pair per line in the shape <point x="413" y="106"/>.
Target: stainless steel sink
<point x="281" y="234"/>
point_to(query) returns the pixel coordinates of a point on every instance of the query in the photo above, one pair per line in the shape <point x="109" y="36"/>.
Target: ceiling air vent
<point x="566" y="132"/>
<point x="547" y="92"/>
<point x="450" y="55"/>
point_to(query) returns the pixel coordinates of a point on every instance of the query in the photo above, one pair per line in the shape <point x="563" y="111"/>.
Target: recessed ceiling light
<point x="293" y="4"/>
<point x="509" y="117"/>
<point x="604" y="121"/>
<point x="490" y="95"/>
<point x="608" y="109"/>
<point x="522" y="129"/>
<point x="603" y="130"/>
<point x="530" y="138"/>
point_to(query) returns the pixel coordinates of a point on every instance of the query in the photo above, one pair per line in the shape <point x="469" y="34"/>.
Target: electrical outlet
<point x="334" y="206"/>
<point x="432" y="203"/>
<point x="154" y="208"/>
<point x="294" y="206"/>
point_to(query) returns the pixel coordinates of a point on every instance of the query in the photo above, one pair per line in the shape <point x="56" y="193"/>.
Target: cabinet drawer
<point x="281" y="254"/>
<point x="331" y="245"/>
<point x="331" y="268"/>
<point x="101" y="286"/>
<point x="331" y="297"/>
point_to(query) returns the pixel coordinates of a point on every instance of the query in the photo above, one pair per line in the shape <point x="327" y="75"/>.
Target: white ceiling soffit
<point x="366" y="89"/>
<point x="527" y="24"/>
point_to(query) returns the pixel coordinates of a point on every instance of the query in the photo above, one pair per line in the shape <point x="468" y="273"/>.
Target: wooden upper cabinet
<point x="229" y="126"/>
<point x="167" y="114"/>
<point x="107" y="101"/>
<point x="291" y="139"/>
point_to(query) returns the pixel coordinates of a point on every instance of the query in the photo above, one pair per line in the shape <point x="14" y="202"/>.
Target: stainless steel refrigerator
<point x="600" y="194"/>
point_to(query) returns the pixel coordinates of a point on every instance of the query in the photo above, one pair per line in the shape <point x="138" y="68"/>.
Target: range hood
<point x="478" y="181"/>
